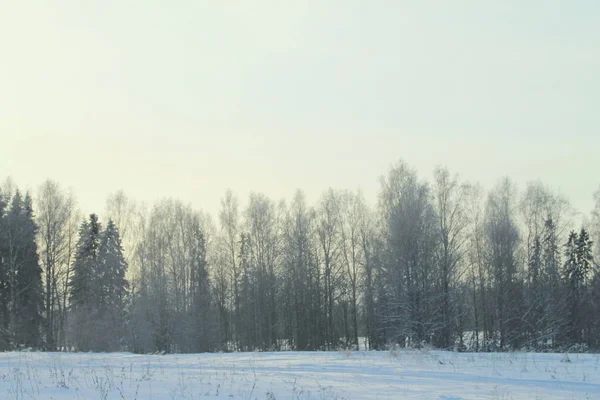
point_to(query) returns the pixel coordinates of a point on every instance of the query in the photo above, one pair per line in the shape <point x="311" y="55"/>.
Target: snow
<point x="381" y="375"/>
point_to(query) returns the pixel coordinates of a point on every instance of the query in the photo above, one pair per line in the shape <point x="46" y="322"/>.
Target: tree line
<point x="433" y="263"/>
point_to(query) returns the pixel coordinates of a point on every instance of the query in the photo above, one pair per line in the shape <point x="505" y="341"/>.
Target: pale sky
<point x="184" y="99"/>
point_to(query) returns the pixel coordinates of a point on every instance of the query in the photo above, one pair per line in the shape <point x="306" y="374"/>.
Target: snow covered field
<point x="294" y="375"/>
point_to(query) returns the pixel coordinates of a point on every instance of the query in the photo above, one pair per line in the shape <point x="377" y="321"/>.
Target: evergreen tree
<point x="4" y="284"/>
<point x="584" y="254"/>
<point x="112" y="287"/>
<point x="575" y="273"/>
<point x="202" y="319"/>
<point x="20" y="275"/>
<point x="585" y="261"/>
<point x="112" y="269"/>
<point x="551" y="283"/>
<point x="29" y="282"/>
<point x="594" y="338"/>
<point x="84" y="288"/>
<point x="572" y="280"/>
<point x="535" y="299"/>
<point x="15" y="233"/>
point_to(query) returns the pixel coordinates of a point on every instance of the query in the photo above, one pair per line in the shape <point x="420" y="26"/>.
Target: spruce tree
<point x="535" y="299"/>
<point x="84" y="266"/>
<point x="584" y="254"/>
<point x="20" y="275"/>
<point x="551" y="300"/>
<point x="201" y="305"/>
<point x="112" y="269"/>
<point x="572" y="281"/>
<point x="15" y="233"/>
<point x="575" y="274"/>
<point x="585" y="262"/>
<point x="594" y="338"/>
<point x="4" y="276"/>
<point x="112" y="286"/>
<point x="84" y="285"/>
<point x="29" y="281"/>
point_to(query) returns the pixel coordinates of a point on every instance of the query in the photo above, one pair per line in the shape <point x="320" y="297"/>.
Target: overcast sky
<point x="187" y="98"/>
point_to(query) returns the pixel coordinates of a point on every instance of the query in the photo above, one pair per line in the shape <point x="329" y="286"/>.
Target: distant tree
<point x="410" y="231"/>
<point x="247" y="313"/>
<point x="229" y="278"/>
<point x="263" y="230"/>
<point x="85" y="289"/>
<point x="113" y="287"/>
<point x="202" y="312"/>
<point x="594" y="322"/>
<point x="4" y="275"/>
<point x="595" y="224"/>
<point x="502" y="246"/>
<point x="20" y="274"/>
<point x="124" y="213"/>
<point x="113" y="268"/>
<point x="15" y="232"/>
<point x="544" y="216"/>
<point x="300" y="295"/>
<point x="29" y="282"/>
<point x="156" y="286"/>
<point x="595" y="289"/>
<point x="551" y="296"/>
<point x="573" y="279"/>
<point x="478" y="278"/>
<point x="369" y="245"/>
<point x="328" y="230"/>
<point x="578" y="262"/>
<point x="450" y="202"/>
<point x="586" y="261"/>
<point x="56" y="218"/>
<point x="172" y="309"/>
<point x="353" y="255"/>
<point x="535" y="296"/>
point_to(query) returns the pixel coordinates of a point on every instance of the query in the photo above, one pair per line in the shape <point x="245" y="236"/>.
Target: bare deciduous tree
<point x="450" y="200"/>
<point x="57" y="219"/>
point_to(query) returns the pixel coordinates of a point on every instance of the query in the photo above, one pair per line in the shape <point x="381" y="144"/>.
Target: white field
<point x="299" y="375"/>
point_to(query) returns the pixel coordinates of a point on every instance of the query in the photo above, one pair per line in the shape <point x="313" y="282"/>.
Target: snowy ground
<point x="293" y="375"/>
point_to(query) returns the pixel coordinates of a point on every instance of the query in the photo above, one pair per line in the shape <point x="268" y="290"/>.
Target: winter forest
<point x="433" y="262"/>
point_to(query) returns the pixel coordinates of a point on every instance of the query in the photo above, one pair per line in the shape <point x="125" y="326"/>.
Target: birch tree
<point x="56" y="218"/>
<point x="450" y="200"/>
